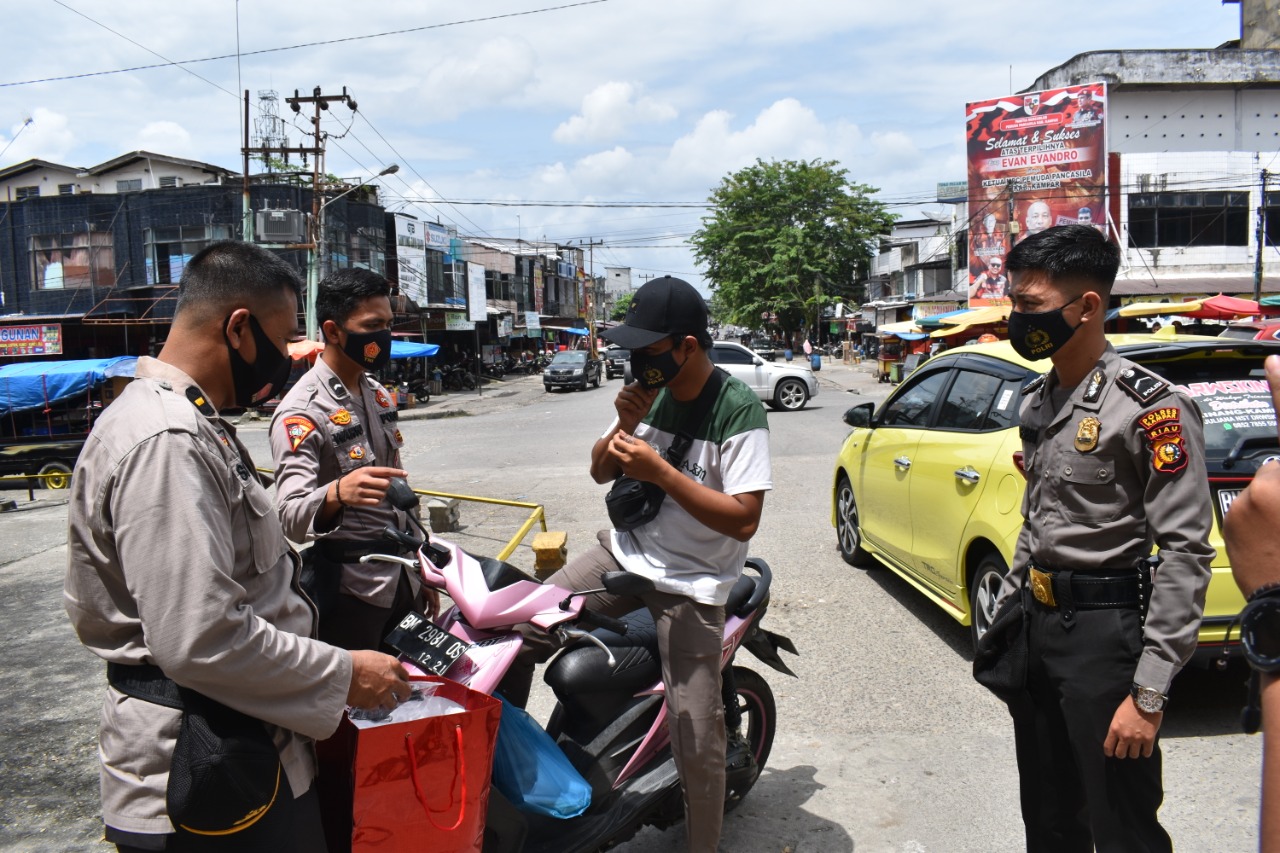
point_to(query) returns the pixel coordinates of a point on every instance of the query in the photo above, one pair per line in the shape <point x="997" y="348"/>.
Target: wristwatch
<point x="1260" y="631"/>
<point x="1148" y="699"/>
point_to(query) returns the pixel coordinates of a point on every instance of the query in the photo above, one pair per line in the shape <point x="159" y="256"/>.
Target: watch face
<point x="1260" y="634"/>
<point x="1149" y="699"/>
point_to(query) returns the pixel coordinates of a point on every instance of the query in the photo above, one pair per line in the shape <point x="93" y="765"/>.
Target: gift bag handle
<point x="459" y="770"/>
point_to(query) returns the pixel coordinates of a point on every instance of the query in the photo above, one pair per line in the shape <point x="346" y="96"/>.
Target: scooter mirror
<point x="400" y="496"/>
<point x="626" y="583"/>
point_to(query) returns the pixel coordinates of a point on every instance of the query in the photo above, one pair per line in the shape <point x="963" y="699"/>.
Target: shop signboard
<point x="457" y="322"/>
<point x="477" y="308"/>
<point x="1036" y="160"/>
<point x="31" y="340"/>
<point x="411" y="257"/>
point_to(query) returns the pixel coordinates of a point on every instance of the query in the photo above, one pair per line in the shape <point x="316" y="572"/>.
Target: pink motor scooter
<point x="610" y="717"/>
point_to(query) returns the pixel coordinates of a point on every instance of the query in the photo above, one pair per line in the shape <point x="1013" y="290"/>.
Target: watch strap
<point x="1267" y="590"/>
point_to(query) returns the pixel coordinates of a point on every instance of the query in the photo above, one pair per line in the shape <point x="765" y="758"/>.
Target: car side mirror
<point x="860" y="416"/>
<point x="758" y="361"/>
<point x="400" y="496"/>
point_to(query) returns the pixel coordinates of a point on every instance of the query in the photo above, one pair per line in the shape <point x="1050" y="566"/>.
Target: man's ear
<point x="1093" y="302"/>
<point x="328" y="328"/>
<point x="236" y="327"/>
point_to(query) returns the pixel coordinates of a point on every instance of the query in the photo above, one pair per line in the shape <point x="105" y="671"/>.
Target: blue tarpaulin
<point x="576" y="331"/>
<point x="408" y="349"/>
<point x="35" y="384"/>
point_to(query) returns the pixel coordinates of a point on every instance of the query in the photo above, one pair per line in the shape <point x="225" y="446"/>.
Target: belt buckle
<point x="1042" y="587"/>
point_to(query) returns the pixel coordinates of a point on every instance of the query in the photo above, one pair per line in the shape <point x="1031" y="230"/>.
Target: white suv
<point x="780" y="385"/>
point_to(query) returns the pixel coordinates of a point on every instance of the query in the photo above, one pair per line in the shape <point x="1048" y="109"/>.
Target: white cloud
<point x="610" y="110"/>
<point x="495" y="72"/>
<point x="164" y="137"/>
<point x="48" y="137"/>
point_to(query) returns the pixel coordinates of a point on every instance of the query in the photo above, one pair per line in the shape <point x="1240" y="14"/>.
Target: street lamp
<point x="318" y="254"/>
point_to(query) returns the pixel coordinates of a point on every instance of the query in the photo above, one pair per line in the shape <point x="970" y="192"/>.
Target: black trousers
<point x="1073" y="797"/>
<point x="353" y="624"/>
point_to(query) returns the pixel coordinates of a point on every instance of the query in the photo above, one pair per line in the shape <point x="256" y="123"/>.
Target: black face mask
<point x="256" y="383"/>
<point x="655" y="371"/>
<point x="370" y="350"/>
<point x="1040" y="334"/>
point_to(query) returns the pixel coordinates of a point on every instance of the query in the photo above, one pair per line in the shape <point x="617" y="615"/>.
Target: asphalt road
<point x="884" y="741"/>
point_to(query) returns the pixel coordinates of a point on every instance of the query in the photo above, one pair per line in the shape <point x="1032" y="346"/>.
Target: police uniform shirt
<point x="176" y="559"/>
<point x="320" y="432"/>
<point x="1118" y="467"/>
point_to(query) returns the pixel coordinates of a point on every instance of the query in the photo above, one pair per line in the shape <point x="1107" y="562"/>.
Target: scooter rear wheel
<point x="759" y="722"/>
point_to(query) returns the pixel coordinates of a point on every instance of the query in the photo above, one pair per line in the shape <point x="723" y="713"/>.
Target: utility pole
<point x="589" y="294"/>
<point x="315" y="244"/>
<point x="1261" y="239"/>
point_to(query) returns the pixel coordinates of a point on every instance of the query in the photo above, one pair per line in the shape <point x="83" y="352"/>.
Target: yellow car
<point x="929" y="485"/>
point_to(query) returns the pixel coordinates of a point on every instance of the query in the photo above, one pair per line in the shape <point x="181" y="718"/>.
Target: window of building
<point x="168" y="182"/>
<point x="66" y="189"/>
<point x="1158" y="220"/>
<point x="80" y="259"/>
<point x="367" y="251"/>
<point x="169" y="249"/>
<point x="133" y="185"/>
<point x="20" y="193"/>
<point x="1273" y="220"/>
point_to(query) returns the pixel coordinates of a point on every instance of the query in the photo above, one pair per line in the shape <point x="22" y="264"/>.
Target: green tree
<point x="620" y="306"/>
<point x="786" y="238"/>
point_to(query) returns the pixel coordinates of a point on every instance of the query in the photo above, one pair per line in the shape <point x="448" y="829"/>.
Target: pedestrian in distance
<point x="336" y="443"/>
<point x="1249" y="531"/>
<point x="1114" y="459"/>
<point x="694" y="545"/>
<point x="180" y="578"/>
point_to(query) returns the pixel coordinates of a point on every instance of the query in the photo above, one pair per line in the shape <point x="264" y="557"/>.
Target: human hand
<point x="377" y="681"/>
<point x="366" y="486"/>
<point x="1249" y="527"/>
<point x="1132" y="732"/>
<point x="636" y="458"/>
<point x="633" y="404"/>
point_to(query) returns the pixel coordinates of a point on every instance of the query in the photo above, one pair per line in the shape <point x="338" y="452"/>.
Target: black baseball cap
<point x="662" y="307"/>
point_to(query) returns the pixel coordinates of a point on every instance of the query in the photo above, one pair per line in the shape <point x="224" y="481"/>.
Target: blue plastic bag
<point x="531" y="771"/>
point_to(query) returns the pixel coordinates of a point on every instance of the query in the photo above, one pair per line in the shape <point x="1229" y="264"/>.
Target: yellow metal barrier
<point x="57" y="481"/>
<point x="537" y="513"/>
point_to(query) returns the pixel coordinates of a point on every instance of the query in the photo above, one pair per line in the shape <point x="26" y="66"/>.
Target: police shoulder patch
<point x="1035" y="384"/>
<point x="1142" y="385"/>
<point x="296" y="429"/>
<point x="339" y="390"/>
<point x="203" y="406"/>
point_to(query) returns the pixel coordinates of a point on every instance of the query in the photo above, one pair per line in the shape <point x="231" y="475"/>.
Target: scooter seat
<point x="584" y="668"/>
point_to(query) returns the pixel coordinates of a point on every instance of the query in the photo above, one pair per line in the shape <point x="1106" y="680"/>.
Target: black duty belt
<point x="145" y="681"/>
<point x="1069" y="591"/>
<point x="348" y="551"/>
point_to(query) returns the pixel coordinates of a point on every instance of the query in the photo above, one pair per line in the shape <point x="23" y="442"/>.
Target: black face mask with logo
<point x="655" y="371"/>
<point x="370" y="350"/>
<point x="1040" y="334"/>
<point x="258" y="382"/>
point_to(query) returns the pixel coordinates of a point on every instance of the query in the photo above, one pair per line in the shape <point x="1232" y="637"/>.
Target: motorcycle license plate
<point x="432" y="649"/>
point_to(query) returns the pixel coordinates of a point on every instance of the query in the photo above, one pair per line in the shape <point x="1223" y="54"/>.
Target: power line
<point x="169" y="62"/>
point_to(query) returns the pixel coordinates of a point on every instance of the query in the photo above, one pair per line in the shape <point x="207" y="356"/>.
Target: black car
<point x="572" y="369"/>
<point x="615" y="361"/>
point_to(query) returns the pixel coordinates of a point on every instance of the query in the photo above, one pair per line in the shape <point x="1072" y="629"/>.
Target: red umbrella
<point x="1223" y="307"/>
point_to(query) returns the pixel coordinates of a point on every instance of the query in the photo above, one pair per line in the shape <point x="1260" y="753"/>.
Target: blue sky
<point x="611" y="101"/>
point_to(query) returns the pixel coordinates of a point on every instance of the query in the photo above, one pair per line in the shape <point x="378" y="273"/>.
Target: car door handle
<point x="902" y="462"/>
<point x="968" y="474"/>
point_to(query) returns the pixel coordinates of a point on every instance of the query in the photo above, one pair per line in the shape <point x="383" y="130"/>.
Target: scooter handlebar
<point x="599" y="620"/>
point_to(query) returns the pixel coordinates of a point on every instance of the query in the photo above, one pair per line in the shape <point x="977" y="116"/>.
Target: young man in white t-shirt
<point x="694" y="548"/>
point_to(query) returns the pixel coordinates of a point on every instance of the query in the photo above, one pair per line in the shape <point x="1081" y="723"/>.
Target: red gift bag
<point x="417" y="785"/>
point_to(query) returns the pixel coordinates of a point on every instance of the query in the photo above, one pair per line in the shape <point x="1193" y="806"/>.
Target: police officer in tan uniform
<point x="336" y="445"/>
<point x="178" y="571"/>
<point x="1114" y="460"/>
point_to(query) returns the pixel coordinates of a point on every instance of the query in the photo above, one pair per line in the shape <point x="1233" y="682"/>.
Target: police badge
<point x="1087" y="434"/>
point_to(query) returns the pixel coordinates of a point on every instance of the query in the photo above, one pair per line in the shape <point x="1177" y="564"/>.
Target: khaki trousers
<point x="689" y="640"/>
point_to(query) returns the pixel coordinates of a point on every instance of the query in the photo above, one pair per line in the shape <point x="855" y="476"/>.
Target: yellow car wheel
<point x="848" y="534"/>
<point x="984" y="588"/>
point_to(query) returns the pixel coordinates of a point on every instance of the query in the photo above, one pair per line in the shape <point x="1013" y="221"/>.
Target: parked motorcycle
<point x="610" y="717"/>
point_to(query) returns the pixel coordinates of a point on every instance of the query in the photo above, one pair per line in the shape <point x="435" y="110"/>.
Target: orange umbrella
<point x="299" y="350"/>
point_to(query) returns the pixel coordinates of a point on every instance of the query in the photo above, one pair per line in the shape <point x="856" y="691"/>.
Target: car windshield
<point x="570" y="357"/>
<point x="619" y="354"/>
<point x="1231" y="390"/>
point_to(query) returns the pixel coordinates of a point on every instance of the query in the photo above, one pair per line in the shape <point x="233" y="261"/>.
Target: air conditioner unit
<point x="280" y="226"/>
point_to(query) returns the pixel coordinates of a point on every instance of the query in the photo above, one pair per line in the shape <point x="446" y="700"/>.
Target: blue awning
<point x="34" y="384"/>
<point x="576" y="331"/>
<point x="409" y="349"/>
<point x="911" y="336"/>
